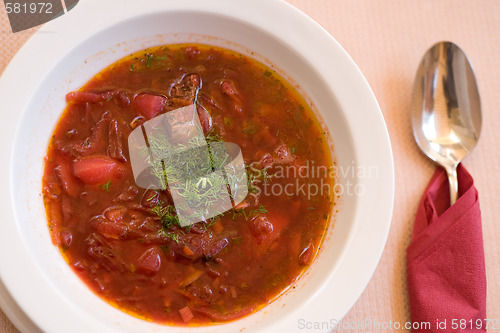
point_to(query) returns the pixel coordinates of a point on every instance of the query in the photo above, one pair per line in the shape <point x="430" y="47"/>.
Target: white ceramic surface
<point x="67" y="52"/>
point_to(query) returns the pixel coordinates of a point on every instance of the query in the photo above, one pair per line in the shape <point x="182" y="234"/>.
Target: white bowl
<point x="68" y="51"/>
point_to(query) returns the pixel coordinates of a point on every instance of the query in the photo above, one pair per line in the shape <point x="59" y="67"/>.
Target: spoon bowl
<point x="446" y="109"/>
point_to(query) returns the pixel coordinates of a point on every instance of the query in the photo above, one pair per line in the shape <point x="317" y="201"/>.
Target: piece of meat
<point x="191" y="52"/>
<point x="215" y="247"/>
<point x="186" y="88"/>
<point x="66" y="239"/>
<point x="123" y="99"/>
<point x="283" y="154"/>
<point x="260" y="227"/>
<point x="150" y="198"/>
<point x="266" y="161"/>
<point x="279" y="156"/>
<point x="63" y="174"/>
<point x="90" y="96"/>
<point x="205" y="119"/>
<point x="107" y="228"/>
<point x="146" y="228"/>
<point x="116" y="213"/>
<point x="208" y="102"/>
<point x="196" y="246"/>
<point x="266" y="228"/>
<point x="228" y="87"/>
<point x="97" y="141"/>
<point x="128" y="195"/>
<point x="117" y="147"/>
<point x="104" y="254"/>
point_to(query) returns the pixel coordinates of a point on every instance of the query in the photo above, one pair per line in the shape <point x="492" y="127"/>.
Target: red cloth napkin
<point x="446" y="272"/>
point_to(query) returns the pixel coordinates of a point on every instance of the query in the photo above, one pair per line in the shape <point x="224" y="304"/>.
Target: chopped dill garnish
<point x="246" y="215"/>
<point x="149" y="57"/>
<point x="262" y="209"/>
<point x="237" y="212"/>
<point x="167" y="215"/>
<point x="266" y="175"/>
<point x="106" y="187"/>
<point x="160" y="58"/>
<point x="251" y="178"/>
<point x="213" y="137"/>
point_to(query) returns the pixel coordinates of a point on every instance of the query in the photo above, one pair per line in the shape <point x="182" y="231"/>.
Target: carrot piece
<point x="187" y="251"/>
<point x="241" y="205"/>
<point x="195" y="275"/>
<point x="167" y="301"/>
<point x="217" y="226"/>
<point x="233" y="292"/>
<point x="216" y="283"/>
<point x="186" y="314"/>
<point x="55" y="215"/>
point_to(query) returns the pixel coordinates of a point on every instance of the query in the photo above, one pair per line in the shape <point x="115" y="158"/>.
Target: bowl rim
<point x="22" y="66"/>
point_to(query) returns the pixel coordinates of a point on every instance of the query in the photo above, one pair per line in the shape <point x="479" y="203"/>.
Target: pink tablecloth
<point x="387" y="38"/>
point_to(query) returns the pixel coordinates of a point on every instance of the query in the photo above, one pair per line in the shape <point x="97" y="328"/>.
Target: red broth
<point x="124" y="241"/>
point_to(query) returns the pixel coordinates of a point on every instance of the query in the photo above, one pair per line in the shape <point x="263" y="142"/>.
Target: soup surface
<point x="125" y="242"/>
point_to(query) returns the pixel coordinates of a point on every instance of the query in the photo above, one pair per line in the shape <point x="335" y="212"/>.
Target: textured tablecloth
<point x="387" y="39"/>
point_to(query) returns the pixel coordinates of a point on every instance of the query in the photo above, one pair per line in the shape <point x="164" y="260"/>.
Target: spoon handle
<point x="453" y="181"/>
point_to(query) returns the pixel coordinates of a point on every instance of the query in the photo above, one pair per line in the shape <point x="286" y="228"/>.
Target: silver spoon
<point x="446" y="110"/>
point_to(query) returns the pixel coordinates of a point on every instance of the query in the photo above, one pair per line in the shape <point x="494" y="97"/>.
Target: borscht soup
<point x="126" y="240"/>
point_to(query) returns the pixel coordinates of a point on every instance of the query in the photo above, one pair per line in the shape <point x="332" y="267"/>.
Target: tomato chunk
<point x="95" y="170"/>
<point x="150" y="261"/>
<point x="149" y="105"/>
